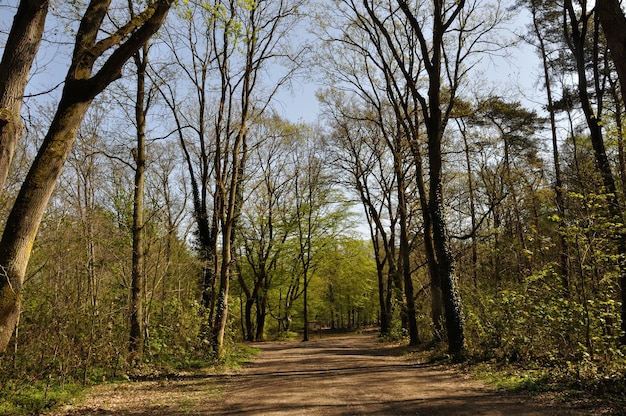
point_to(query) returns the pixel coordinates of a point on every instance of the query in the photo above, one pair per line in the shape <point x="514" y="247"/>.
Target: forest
<point x="159" y="207"/>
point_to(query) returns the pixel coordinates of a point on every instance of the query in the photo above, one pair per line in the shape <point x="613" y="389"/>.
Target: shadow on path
<point x="336" y="376"/>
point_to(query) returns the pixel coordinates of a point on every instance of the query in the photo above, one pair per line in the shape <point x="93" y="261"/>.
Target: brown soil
<point x="340" y="375"/>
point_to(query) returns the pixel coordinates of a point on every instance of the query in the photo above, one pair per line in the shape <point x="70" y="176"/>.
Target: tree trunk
<point x="405" y="261"/>
<point x="232" y="206"/>
<point x="248" y="319"/>
<point x="221" y="312"/>
<point x="558" y="185"/>
<point x="613" y="23"/>
<point x="306" y="311"/>
<point x="19" y="52"/>
<point x="594" y="122"/>
<point x="261" y="314"/>
<point x="23" y="222"/>
<point x="138" y="277"/>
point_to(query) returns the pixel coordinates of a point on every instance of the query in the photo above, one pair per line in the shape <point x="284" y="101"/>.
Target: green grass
<point x="527" y="380"/>
<point x="18" y="399"/>
<point x="29" y="398"/>
<point x="236" y="356"/>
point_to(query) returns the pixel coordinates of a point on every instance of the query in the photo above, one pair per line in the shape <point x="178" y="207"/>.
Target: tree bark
<point x="138" y="277"/>
<point x="613" y="22"/>
<point x="19" y="52"/>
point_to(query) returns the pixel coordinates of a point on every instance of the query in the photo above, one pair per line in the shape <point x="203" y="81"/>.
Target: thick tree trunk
<point x="19" y="52"/>
<point x="453" y="310"/>
<point x="261" y="314"/>
<point x="613" y="22"/>
<point x="248" y="319"/>
<point x="25" y="217"/>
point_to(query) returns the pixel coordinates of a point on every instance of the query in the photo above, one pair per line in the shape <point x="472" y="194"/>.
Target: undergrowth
<point x="35" y="396"/>
<point x="565" y="384"/>
<point x="28" y="397"/>
<point x="596" y="385"/>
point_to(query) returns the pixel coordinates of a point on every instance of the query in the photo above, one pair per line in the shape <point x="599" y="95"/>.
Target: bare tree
<point x="230" y="44"/>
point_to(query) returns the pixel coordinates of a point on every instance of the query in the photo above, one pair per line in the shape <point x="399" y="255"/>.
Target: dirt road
<point x="348" y="375"/>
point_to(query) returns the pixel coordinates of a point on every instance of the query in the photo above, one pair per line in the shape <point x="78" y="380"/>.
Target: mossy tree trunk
<point x="19" y="52"/>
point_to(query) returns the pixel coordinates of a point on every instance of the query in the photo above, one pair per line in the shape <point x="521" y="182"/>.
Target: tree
<point x="230" y="43"/>
<point x="582" y="35"/>
<point x="142" y="104"/>
<point x="82" y="85"/>
<point x="267" y="202"/>
<point x="613" y="21"/>
<point x="544" y="34"/>
<point x="19" y="52"/>
<point x="358" y="151"/>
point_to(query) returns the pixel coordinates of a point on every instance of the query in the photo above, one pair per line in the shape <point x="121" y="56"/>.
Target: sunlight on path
<point x="346" y="375"/>
<point x="354" y="375"/>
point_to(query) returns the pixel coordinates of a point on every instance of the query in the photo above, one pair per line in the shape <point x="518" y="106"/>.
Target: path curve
<point x="333" y="376"/>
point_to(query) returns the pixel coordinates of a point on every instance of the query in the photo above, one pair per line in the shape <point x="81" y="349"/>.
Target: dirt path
<point x="348" y="375"/>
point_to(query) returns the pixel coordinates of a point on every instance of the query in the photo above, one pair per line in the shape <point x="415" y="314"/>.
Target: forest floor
<point x="333" y="375"/>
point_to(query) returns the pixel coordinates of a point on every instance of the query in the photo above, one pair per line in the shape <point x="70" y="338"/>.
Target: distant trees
<point x="292" y="221"/>
<point x="416" y="65"/>
<point x="230" y="44"/>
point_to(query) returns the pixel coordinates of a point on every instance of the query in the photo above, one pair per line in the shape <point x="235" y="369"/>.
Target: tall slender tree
<point x="613" y="21"/>
<point x="142" y="104"/>
<point x="582" y="35"/>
